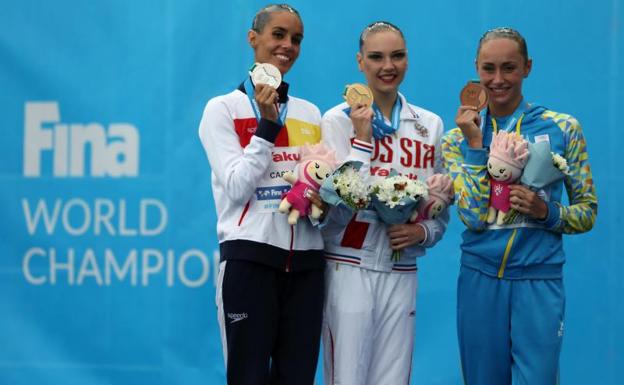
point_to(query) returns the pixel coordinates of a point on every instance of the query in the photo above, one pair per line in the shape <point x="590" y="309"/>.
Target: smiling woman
<point x="510" y="295"/>
<point x="276" y="39"/>
<point x="370" y="303"/>
<point x="502" y="64"/>
<point x="268" y="268"/>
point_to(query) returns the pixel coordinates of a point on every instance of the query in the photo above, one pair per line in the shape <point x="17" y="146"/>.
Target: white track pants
<point x="368" y="326"/>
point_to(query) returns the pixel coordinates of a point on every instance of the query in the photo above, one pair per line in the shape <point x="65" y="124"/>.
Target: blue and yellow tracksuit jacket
<point x="525" y="248"/>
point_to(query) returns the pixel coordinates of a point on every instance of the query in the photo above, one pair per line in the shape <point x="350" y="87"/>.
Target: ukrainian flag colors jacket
<point x="525" y="248"/>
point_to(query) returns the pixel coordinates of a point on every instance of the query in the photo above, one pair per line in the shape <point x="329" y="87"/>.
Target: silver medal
<point x="265" y="73"/>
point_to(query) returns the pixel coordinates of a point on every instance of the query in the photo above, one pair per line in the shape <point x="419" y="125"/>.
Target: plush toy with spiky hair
<point x="509" y="153"/>
<point x="316" y="163"/>
<point x="441" y="195"/>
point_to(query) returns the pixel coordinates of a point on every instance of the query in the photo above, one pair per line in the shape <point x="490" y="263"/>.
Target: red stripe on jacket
<point x="246" y="128"/>
<point x="354" y="234"/>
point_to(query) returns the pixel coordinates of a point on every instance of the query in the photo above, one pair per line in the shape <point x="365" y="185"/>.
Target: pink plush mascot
<point x="509" y="154"/>
<point x="315" y="165"/>
<point x="441" y="195"/>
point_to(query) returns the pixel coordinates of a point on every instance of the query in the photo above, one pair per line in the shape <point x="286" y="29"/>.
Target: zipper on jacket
<point x="501" y="270"/>
<point x="290" y="252"/>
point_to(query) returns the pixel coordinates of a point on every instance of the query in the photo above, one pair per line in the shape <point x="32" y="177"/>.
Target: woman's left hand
<point x="527" y="202"/>
<point x="405" y="235"/>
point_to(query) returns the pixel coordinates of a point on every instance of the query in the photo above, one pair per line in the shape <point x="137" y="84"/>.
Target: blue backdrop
<point x="107" y="238"/>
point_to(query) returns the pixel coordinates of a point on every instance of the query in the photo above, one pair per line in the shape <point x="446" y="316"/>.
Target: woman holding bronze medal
<point x="511" y="300"/>
<point x="370" y="305"/>
<point x="270" y="285"/>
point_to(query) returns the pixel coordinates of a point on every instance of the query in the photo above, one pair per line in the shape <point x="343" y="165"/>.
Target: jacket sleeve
<point x="468" y="169"/>
<point x="238" y="169"/>
<point x="337" y="135"/>
<point x="435" y="228"/>
<point x="579" y="216"/>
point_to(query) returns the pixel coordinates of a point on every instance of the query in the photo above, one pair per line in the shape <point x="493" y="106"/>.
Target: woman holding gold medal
<point x="370" y="305"/>
<point x="270" y="285"/>
<point x="510" y="295"/>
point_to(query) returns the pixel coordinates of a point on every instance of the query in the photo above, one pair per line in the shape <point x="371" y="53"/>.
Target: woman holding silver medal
<point x="510" y="295"/>
<point x="370" y="305"/>
<point x="270" y="285"/>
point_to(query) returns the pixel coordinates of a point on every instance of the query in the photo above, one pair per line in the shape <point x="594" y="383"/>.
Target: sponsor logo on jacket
<point x="285" y="156"/>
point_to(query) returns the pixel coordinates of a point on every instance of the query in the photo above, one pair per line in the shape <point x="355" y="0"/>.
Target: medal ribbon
<point x="514" y="119"/>
<point x="251" y="93"/>
<point x="380" y="128"/>
<point x="509" y="124"/>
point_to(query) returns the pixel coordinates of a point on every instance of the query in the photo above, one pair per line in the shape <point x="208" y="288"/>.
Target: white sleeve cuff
<point x="424" y="241"/>
<point x="361" y="151"/>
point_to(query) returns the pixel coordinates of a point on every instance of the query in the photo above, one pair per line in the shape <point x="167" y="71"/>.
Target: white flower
<point x="350" y="187"/>
<point x="399" y="190"/>
<point x="560" y="162"/>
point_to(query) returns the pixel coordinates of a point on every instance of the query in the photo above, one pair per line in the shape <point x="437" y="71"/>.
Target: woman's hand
<point x="469" y="121"/>
<point x="266" y="97"/>
<point x="316" y="200"/>
<point x="361" y="118"/>
<point x="402" y="236"/>
<point x="527" y="202"/>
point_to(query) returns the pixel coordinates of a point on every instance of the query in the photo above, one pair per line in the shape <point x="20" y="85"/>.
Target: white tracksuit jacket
<point x="414" y="150"/>
<point x="247" y="164"/>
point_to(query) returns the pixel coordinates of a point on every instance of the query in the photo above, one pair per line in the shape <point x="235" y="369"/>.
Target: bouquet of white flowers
<point x="395" y="198"/>
<point x="395" y="195"/>
<point x="543" y="167"/>
<point x="346" y="187"/>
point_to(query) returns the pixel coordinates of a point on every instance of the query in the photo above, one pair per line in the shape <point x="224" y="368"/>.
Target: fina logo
<point x="114" y="152"/>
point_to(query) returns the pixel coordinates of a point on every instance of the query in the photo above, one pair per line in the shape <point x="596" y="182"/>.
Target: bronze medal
<point x="358" y="93"/>
<point x="474" y="94"/>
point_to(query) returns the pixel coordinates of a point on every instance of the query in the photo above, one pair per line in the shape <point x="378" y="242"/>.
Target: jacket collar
<point x="282" y="91"/>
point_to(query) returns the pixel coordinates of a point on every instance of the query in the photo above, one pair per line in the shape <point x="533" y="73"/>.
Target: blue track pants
<point x="509" y="329"/>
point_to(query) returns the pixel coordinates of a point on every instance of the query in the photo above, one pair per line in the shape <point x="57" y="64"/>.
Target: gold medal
<point x="358" y="93"/>
<point x="474" y="94"/>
